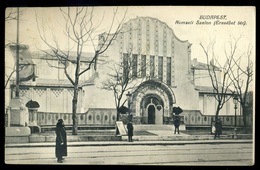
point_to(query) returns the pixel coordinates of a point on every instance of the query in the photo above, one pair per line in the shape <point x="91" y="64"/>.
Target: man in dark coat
<point x="218" y="126"/>
<point x="130" y="130"/>
<point x="61" y="141"/>
<point x="176" y="123"/>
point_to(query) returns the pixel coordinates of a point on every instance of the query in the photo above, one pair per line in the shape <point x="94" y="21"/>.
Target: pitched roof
<point x="48" y="55"/>
<point x="60" y="82"/>
<point x="209" y="89"/>
<point x="203" y="66"/>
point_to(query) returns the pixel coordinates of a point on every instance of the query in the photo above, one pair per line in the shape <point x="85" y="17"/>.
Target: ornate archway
<point x="151" y="95"/>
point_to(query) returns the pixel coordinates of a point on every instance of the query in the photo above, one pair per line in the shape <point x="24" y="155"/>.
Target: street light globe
<point x="235" y="100"/>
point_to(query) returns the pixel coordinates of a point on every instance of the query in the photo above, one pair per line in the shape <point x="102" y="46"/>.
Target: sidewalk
<point x="117" y="143"/>
<point x="154" y="137"/>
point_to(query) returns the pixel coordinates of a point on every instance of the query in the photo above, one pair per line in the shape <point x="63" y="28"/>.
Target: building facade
<point x="165" y="76"/>
<point x="165" y="73"/>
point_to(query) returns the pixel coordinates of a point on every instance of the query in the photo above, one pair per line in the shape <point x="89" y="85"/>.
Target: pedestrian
<point x="130" y="130"/>
<point x="176" y="124"/>
<point x="218" y="127"/>
<point x="61" y="141"/>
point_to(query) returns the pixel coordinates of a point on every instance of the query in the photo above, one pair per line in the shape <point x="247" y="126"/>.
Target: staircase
<point x="157" y="127"/>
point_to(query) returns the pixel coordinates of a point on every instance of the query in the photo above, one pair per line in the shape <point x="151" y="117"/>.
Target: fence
<point x="195" y="118"/>
<point x="107" y="117"/>
<point x="92" y="117"/>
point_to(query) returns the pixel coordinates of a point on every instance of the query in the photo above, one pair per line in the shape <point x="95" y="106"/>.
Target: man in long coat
<point x="61" y="141"/>
<point x="218" y="130"/>
<point x="130" y="130"/>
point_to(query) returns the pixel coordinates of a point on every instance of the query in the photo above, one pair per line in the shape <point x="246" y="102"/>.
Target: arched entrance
<point x="152" y="102"/>
<point x="152" y="106"/>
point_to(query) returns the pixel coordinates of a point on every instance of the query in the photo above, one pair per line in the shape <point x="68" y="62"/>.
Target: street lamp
<point x="129" y="103"/>
<point x="235" y="101"/>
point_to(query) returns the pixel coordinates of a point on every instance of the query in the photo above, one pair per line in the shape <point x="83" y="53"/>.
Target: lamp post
<point x="17" y="59"/>
<point x="129" y="103"/>
<point x="235" y="101"/>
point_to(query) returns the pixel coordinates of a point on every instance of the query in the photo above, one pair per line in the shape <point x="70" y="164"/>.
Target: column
<point x="205" y="104"/>
<point x="48" y="100"/>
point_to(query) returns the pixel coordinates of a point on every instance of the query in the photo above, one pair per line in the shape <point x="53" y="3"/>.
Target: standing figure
<point x="130" y="130"/>
<point x="176" y="124"/>
<point x="218" y="126"/>
<point x="61" y="141"/>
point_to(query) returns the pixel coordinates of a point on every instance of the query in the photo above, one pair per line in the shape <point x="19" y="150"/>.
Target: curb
<point x="123" y="143"/>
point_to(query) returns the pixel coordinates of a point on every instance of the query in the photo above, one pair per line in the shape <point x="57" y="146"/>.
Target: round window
<point x="113" y="117"/>
<point x="81" y="117"/>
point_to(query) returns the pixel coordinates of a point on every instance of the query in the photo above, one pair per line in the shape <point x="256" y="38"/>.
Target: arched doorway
<point x="152" y="102"/>
<point x="152" y="106"/>
<point x="151" y="114"/>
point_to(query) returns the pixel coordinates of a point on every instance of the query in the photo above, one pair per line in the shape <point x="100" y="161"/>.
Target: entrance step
<point x="157" y="127"/>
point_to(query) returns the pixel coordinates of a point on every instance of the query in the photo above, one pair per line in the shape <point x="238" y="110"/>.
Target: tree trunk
<point x="117" y="115"/>
<point x="117" y="119"/>
<point x="217" y="113"/>
<point x="244" y="119"/>
<point x="74" y="111"/>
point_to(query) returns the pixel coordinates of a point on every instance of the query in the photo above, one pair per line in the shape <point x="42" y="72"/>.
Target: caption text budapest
<point x="212" y="20"/>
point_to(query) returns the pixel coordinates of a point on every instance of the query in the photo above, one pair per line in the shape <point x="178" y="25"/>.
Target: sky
<point x="195" y="33"/>
<point x="174" y="16"/>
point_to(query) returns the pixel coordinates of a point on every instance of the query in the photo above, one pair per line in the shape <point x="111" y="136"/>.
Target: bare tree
<point x="80" y="30"/>
<point x="119" y="80"/>
<point x="122" y="79"/>
<point x="241" y="77"/>
<point x="221" y="86"/>
<point x="11" y="14"/>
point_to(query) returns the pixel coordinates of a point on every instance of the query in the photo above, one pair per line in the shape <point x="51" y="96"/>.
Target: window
<point x="134" y="65"/>
<point x="143" y="66"/>
<point x="160" y="68"/>
<point x="152" y="66"/>
<point x="125" y="65"/>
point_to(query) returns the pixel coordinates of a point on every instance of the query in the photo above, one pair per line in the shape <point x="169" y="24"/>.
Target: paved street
<point x="186" y="154"/>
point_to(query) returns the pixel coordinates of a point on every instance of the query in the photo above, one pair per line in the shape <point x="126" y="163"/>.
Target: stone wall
<point x="195" y="118"/>
<point x="94" y="116"/>
<point x="107" y="117"/>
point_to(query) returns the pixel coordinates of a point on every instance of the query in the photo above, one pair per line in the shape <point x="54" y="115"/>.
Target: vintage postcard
<point x="130" y="85"/>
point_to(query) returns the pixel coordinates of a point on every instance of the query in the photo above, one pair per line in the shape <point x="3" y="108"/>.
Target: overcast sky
<point x="194" y="33"/>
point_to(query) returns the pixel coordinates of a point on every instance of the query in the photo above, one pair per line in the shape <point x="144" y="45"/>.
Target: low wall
<point x="195" y="118"/>
<point x="97" y="116"/>
<point x="107" y="117"/>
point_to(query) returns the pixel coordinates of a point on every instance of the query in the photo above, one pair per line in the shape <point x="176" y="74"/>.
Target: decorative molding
<point x="56" y="91"/>
<point x="40" y="91"/>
